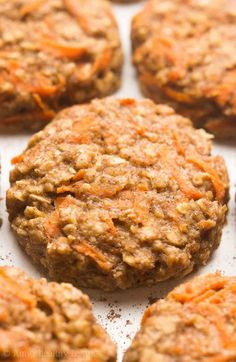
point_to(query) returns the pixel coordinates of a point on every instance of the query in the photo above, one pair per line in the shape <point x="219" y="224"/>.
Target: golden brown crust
<point x="118" y="193"/>
<point x="47" y="322"/>
<point x="54" y="53"/>
<point x="196" y="322"/>
<point x="184" y="54"/>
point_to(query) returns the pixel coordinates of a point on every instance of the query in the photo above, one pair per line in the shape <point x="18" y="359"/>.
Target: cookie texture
<point x="54" y="53"/>
<point x="117" y="194"/>
<point x="196" y="322"/>
<point x="184" y="52"/>
<point x="47" y="322"/>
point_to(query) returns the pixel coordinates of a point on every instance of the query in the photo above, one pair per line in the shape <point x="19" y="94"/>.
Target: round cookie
<point x="184" y="52"/>
<point x="47" y="322"/>
<point x="53" y="54"/>
<point x="117" y="194"/>
<point x="196" y="322"/>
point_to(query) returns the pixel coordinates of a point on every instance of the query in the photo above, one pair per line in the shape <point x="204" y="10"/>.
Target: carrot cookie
<point x="184" y="52"/>
<point x="117" y="194"/>
<point x="48" y="322"/>
<point x="54" y="53"/>
<point x="196" y="322"/>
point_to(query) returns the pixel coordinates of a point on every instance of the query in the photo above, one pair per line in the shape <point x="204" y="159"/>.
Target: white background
<point x="120" y="312"/>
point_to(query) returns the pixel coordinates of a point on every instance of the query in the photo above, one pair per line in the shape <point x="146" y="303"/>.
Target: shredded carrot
<point x="10" y="285"/>
<point x="127" y="102"/>
<point x="65" y="188"/>
<point x="74" y="9"/>
<point x="164" y="48"/>
<point x="147" y="314"/>
<point x="142" y="187"/>
<point x="43" y="86"/>
<point x="205" y="295"/>
<point x="64" y="202"/>
<point x="199" y="286"/>
<point x="72" y="51"/>
<point x="180" y="149"/>
<point x="110" y="224"/>
<point x="30" y="7"/>
<point x="81" y="139"/>
<point x="177" y="95"/>
<point x="104" y="190"/>
<point x="79" y="175"/>
<point x="102" y="61"/>
<point x="218" y="185"/>
<point x="43" y="106"/>
<point x="185" y="185"/>
<point x="51" y="225"/>
<point x="84" y="248"/>
<point x="150" y="80"/>
<point x="17" y="159"/>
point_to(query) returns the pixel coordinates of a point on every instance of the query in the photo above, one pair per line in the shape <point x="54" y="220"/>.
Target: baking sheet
<point x="120" y="312"/>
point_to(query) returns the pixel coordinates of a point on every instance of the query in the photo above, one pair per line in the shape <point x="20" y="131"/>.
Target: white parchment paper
<point x="120" y="313"/>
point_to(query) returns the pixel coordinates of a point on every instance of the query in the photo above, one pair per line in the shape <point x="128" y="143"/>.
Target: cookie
<point x="196" y="322"/>
<point x="118" y="194"/>
<point x="46" y="322"/>
<point x="53" y="54"/>
<point x="184" y="52"/>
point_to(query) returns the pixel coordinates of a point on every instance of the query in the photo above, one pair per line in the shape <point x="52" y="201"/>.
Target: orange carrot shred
<point x="186" y="186"/>
<point x="51" y="225"/>
<point x="8" y="284"/>
<point x="73" y="8"/>
<point x="177" y="96"/>
<point x="90" y="251"/>
<point x="127" y="102"/>
<point x="17" y="159"/>
<point x="218" y="185"/>
<point x="72" y="51"/>
<point x="31" y="7"/>
<point x="102" y="61"/>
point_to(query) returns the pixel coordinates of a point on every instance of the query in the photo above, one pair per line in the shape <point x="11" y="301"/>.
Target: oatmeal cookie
<point x="47" y="322"/>
<point x="184" y="52"/>
<point x="117" y="194"/>
<point x="54" y="53"/>
<point x="196" y="322"/>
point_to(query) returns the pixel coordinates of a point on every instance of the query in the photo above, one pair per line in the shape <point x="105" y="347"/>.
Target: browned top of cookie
<point x="46" y="322"/>
<point x="196" y="322"/>
<point x="123" y="186"/>
<point x="187" y="49"/>
<point x="53" y="53"/>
